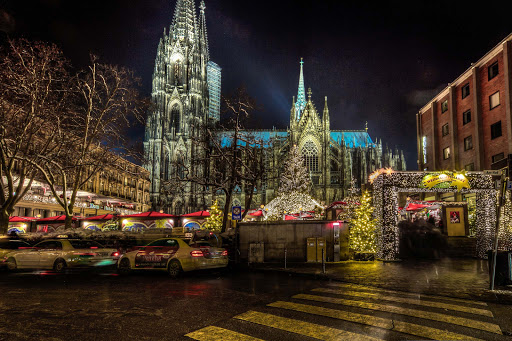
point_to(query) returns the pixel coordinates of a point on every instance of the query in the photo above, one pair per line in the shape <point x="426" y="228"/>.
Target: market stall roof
<point x="258" y="213"/>
<point x="307" y="216"/>
<point x="290" y="217"/>
<point x="100" y="217"/>
<point x="16" y="219"/>
<point x="56" y="218"/>
<point x="198" y="214"/>
<point x="337" y="203"/>
<point x="150" y="214"/>
<point x="414" y="207"/>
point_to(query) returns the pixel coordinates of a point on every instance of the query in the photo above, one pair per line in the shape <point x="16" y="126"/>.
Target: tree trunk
<point x="69" y="222"/>
<point x="226" y="211"/>
<point x="4" y="221"/>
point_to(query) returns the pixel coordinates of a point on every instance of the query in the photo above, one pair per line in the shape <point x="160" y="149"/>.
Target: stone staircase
<point x="460" y="247"/>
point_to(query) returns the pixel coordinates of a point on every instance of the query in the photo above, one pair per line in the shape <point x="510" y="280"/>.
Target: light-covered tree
<point x="295" y="176"/>
<point x="214" y="221"/>
<point x="362" y="236"/>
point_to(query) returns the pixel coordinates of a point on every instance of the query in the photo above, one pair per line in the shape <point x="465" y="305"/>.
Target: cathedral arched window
<point x="177" y="72"/>
<point x="310" y="155"/>
<point x="175" y="118"/>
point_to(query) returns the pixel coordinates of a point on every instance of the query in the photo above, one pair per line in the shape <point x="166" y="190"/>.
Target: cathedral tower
<point x="180" y="107"/>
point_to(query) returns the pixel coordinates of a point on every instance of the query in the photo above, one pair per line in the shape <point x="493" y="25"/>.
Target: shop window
<point x="494" y="100"/>
<point x="466" y="117"/>
<point x="465" y="91"/>
<point x="446" y="153"/>
<point x="496" y="130"/>
<point x="498" y="157"/>
<point x="444" y="106"/>
<point x="493" y="70"/>
<point x="445" y="129"/>
<point x="468" y="143"/>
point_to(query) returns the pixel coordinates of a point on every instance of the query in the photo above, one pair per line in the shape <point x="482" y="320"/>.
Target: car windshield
<point x="85" y="244"/>
<point x="200" y="244"/>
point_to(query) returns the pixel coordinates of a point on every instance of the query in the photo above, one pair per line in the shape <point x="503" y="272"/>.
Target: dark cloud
<point x="7" y="22"/>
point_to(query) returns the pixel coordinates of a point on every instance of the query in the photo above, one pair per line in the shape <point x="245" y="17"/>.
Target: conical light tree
<point x="214" y="221"/>
<point x="362" y="236"/>
<point x="295" y="176"/>
<point x="294" y="189"/>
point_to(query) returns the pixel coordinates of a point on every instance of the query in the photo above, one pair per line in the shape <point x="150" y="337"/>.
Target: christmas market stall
<point x="53" y="224"/>
<point x="147" y="220"/>
<point x="194" y="220"/>
<point x="19" y="224"/>
<point x="104" y="222"/>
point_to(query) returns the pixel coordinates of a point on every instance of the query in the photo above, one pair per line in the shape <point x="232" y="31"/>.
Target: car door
<point x="48" y="251"/>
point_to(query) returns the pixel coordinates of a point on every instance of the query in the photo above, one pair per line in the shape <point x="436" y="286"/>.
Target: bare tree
<point x="228" y="156"/>
<point x="91" y="136"/>
<point x="33" y="83"/>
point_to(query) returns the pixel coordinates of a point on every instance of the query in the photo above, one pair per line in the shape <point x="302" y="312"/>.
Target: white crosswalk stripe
<point x="380" y="311"/>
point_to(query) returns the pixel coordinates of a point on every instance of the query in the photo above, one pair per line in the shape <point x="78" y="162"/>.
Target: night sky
<point x="377" y="62"/>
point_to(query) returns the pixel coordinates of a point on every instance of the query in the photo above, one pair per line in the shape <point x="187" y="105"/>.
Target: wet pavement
<point x="454" y="277"/>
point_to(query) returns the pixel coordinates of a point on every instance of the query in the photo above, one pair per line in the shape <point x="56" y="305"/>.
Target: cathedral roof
<point x="263" y="136"/>
<point x="352" y="139"/>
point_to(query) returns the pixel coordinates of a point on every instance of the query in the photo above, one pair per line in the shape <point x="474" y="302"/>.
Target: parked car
<point x="174" y="255"/>
<point x="58" y="254"/>
<point x="9" y="245"/>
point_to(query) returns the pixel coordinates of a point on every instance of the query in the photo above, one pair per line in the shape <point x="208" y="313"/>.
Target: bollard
<point x="323" y="260"/>
<point x="285" y="258"/>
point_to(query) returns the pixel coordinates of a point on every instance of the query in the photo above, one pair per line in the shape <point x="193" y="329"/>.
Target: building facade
<point x="184" y="87"/>
<point x="468" y="125"/>
<point x="214" y="78"/>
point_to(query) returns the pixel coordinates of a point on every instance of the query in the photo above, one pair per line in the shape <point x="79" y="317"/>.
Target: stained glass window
<point x="310" y="154"/>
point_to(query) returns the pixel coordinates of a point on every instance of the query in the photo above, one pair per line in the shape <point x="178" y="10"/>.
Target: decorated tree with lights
<point x="505" y="228"/>
<point x="294" y="189"/>
<point x="352" y="201"/>
<point x="362" y="236"/>
<point x="214" y="221"/>
<point x="295" y="176"/>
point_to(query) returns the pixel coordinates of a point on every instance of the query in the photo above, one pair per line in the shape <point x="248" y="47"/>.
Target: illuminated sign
<point x="424" y="144"/>
<point x="445" y="180"/>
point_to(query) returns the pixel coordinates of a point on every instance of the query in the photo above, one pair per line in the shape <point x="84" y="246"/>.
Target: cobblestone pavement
<point x="454" y="277"/>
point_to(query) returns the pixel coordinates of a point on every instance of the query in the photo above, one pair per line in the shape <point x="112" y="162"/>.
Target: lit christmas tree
<point x="505" y="228"/>
<point x="214" y="221"/>
<point x="295" y="176"/>
<point x="294" y="189"/>
<point x="362" y="228"/>
<point x="352" y="200"/>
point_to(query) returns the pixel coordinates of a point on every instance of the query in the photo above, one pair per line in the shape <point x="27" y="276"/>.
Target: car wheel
<point x="11" y="264"/>
<point x="59" y="265"/>
<point x="174" y="268"/>
<point x="124" y="267"/>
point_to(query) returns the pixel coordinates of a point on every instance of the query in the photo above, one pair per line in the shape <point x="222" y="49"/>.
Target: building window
<point x="446" y="153"/>
<point x="470" y="167"/>
<point x="496" y="130"/>
<point x="498" y="157"/>
<point x="465" y="91"/>
<point x="466" y="117"/>
<point x="468" y="143"/>
<point x="310" y="155"/>
<point x="444" y="106"/>
<point x="494" y="100"/>
<point x="493" y="70"/>
<point x="445" y="129"/>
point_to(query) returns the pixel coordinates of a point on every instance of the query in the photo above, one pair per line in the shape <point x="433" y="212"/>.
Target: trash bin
<point x="503" y="274"/>
<point x="311" y="250"/>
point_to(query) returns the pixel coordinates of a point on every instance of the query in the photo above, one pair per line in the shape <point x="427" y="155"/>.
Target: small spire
<point x="301" y="95"/>
<point x="366" y="126"/>
<point x="309" y="94"/>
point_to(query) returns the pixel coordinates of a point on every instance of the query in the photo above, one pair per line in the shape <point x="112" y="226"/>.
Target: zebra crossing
<point x="344" y="311"/>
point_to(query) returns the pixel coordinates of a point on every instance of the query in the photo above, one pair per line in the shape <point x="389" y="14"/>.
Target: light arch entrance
<point x="387" y="186"/>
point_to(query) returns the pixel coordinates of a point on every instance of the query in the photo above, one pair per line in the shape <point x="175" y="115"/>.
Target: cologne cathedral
<point x="181" y="97"/>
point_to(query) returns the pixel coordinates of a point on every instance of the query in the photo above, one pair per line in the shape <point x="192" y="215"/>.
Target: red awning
<point x="414" y="207"/>
<point x="289" y="217"/>
<point x="100" y="217"/>
<point x="307" y="216"/>
<point x="258" y="213"/>
<point x="56" y="218"/>
<point x="198" y="214"/>
<point x="20" y="219"/>
<point x="150" y="214"/>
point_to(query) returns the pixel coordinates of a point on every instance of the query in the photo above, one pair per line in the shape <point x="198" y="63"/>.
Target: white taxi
<point x="58" y="254"/>
<point x="174" y="255"/>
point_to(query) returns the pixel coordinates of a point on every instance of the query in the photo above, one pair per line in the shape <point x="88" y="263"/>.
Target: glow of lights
<point x="424" y="144"/>
<point x="375" y="174"/>
<point x="385" y="199"/>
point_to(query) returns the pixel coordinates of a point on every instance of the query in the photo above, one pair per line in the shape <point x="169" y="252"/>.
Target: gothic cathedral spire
<point x="301" y="95"/>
